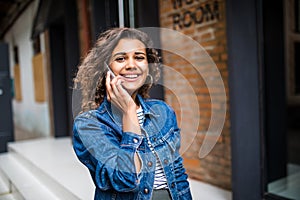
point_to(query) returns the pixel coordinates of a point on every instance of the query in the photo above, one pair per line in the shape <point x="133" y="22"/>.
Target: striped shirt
<point x="160" y="181"/>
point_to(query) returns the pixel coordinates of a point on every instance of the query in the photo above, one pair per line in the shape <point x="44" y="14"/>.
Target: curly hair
<point x="91" y="73"/>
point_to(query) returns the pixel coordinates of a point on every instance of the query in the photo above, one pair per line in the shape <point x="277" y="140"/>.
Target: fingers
<point x="117" y="94"/>
<point x="108" y="86"/>
<point x="114" y="88"/>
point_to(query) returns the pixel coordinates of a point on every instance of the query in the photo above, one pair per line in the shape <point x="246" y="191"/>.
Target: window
<point x="292" y="32"/>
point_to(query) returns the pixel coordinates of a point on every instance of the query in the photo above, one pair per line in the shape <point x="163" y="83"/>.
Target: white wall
<point x="28" y="114"/>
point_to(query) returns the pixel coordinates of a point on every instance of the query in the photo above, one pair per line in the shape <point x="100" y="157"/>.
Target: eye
<point x="120" y="59"/>
<point x="140" y="58"/>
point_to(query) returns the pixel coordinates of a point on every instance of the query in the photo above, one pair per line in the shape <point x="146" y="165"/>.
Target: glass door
<point x="283" y="149"/>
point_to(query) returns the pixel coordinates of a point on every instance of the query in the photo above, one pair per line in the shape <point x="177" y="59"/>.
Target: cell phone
<point x="112" y="75"/>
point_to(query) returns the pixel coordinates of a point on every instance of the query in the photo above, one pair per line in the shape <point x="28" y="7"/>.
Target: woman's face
<point x="129" y="60"/>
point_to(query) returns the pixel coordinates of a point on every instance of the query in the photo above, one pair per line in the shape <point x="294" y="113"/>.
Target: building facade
<point x="255" y="153"/>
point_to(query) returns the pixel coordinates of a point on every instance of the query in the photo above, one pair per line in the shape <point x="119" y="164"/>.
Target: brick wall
<point x="203" y="21"/>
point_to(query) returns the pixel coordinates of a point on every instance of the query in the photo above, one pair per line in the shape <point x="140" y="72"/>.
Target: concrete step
<point x="8" y="197"/>
<point x="7" y="189"/>
<point x="13" y="194"/>
<point x="25" y="182"/>
<point x="4" y="184"/>
<point x="201" y="190"/>
<point x="45" y="169"/>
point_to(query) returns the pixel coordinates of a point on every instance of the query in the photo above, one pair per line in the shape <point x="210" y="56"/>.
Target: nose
<point x="130" y="65"/>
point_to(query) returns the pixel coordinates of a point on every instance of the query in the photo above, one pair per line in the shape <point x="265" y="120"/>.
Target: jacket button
<point x="166" y="161"/>
<point x="135" y="140"/>
<point x="150" y="164"/>
<point x="146" y="191"/>
<point x="154" y="139"/>
<point x="172" y="185"/>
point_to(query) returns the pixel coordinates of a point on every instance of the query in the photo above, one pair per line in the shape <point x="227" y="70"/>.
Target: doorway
<point x="282" y="106"/>
<point x="58" y="77"/>
<point x="64" y="58"/>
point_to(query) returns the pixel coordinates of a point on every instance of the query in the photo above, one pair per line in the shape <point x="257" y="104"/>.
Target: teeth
<point x="131" y="76"/>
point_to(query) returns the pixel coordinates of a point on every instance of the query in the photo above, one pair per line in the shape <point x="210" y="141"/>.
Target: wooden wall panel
<point x="39" y="78"/>
<point x="17" y="83"/>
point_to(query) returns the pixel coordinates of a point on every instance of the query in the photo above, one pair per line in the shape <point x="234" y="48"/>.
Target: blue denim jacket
<point x="108" y="152"/>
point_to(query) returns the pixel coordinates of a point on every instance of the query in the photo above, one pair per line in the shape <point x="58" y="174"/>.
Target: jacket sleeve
<point x="109" y="159"/>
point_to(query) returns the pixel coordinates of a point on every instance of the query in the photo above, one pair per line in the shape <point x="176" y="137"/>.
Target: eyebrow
<point x="124" y="53"/>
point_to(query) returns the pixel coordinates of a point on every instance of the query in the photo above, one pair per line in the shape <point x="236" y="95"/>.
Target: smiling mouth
<point x="130" y="76"/>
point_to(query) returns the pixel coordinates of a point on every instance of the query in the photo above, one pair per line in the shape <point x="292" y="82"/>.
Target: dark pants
<point x="161" y="195"/>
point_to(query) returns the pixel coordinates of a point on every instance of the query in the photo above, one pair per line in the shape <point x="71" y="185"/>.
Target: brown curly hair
<point x="91" y="73"/>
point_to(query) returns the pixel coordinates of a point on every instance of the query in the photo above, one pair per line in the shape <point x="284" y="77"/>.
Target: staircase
<point x="44" y="169"/>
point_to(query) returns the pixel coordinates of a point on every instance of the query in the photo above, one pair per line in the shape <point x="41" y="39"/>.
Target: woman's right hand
<point x="117" y="95"/>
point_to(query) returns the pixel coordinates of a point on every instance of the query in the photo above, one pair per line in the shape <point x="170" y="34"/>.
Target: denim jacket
<point x="108" y="152"/>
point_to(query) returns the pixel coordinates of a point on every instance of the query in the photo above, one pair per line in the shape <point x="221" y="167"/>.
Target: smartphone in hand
<point x="112" y="75"/>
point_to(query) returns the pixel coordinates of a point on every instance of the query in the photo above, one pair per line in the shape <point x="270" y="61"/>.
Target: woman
<point x="129" y="143"/>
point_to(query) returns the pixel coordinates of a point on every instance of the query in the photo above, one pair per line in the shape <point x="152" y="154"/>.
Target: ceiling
<point x="9" y="12"/>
